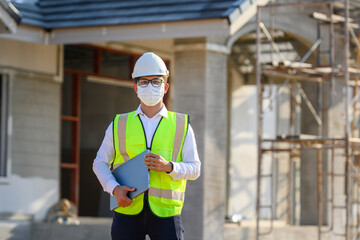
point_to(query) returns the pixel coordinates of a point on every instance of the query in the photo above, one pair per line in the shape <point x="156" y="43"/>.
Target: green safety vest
<point x="166" y="196"/>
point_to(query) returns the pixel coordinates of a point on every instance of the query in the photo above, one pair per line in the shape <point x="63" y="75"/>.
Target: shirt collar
<point x="163" y="112"/>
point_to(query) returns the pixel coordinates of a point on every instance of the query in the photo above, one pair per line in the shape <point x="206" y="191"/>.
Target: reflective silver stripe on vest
<point x="180" y="127"/>
<point x="164" y="193"/>
<point x="122" y="136"/>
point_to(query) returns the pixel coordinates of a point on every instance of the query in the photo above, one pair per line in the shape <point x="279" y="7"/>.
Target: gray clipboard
<point x="132" y="173"/>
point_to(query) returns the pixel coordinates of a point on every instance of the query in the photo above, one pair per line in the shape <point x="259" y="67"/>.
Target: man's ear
<point x="166" y="87"/>
<point x="135" y="87"/>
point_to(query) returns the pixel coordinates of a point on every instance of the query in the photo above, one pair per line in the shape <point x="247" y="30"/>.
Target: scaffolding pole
<point x="348" y="143"/>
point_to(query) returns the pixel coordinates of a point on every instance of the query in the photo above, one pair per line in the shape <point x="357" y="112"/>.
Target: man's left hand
<point x="157" y="163"/>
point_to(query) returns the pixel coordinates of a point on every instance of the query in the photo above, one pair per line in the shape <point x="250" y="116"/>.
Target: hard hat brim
<point x="150" y="73"/>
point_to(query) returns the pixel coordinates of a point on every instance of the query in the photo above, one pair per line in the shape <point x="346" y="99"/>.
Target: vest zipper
<point x="155" y="133"/>
<point x="149" y="148"/>
<point x="143" y="132"/>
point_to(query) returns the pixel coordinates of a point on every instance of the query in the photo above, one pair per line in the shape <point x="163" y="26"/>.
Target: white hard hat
<point x="149" y="64"/>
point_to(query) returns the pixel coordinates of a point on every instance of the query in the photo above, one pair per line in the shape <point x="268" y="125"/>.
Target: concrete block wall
<point x="200" y="89"/>
<point x="34" y="73"/>
<point x="33" y="182"/>
<point x="36" y="127"/>
<point x="189" y="97"/>
<point x="215" y="149"/>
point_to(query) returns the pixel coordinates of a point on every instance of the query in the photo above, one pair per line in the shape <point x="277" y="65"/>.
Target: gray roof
<point x="52" y="14"/>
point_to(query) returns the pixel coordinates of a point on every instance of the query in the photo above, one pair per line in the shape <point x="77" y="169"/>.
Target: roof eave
<point x="9" y="17"/>
<point x="179" y="29"/>
<point x="241" y="15"/>
<point x="230" y="22"/>
<point x="26" y="33"/>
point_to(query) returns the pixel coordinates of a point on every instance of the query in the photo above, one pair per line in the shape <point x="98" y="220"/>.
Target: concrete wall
<point x="187" y="91"/>
<point x="279" y="232"/>
<point x="32" y="185"/>
<point x="243" y="151"/>
<point x="215" y="155"/>
<point x="29" y="56"/>
<point x="200" y="89"/>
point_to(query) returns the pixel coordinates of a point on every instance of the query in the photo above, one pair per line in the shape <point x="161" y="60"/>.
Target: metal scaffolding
<point x="344" y="149"/>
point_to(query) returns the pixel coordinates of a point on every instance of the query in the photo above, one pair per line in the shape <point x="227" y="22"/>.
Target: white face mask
<point x="150" y="95"/>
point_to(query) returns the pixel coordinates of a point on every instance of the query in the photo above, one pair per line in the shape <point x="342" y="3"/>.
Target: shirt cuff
<point x="175" y="170"/>
<point x="111" y="186"/>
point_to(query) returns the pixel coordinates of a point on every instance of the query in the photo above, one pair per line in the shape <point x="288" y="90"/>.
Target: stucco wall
<point x="29" y="56"/>
<point x="32" y="185"/>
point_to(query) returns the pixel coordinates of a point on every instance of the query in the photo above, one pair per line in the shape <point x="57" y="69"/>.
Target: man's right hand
<point x="120" y="193"/>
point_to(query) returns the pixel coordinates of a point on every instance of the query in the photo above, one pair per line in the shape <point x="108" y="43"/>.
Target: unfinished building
<point x="272" y="98"/>
<point x="308" y="171"/>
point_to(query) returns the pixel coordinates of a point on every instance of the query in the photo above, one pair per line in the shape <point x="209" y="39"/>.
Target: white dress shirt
<point x="188" y="169"/>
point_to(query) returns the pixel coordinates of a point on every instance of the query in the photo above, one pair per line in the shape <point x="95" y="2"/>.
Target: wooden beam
<point x="334" y="18"/>
<point x="297" y="64"/>
<point x="70" y="118"/>
<point x="69" y="165"/>
<point x="291" y="76"/>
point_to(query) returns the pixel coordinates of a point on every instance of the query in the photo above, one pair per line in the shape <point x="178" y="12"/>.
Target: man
<point x="173" y="158"/>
